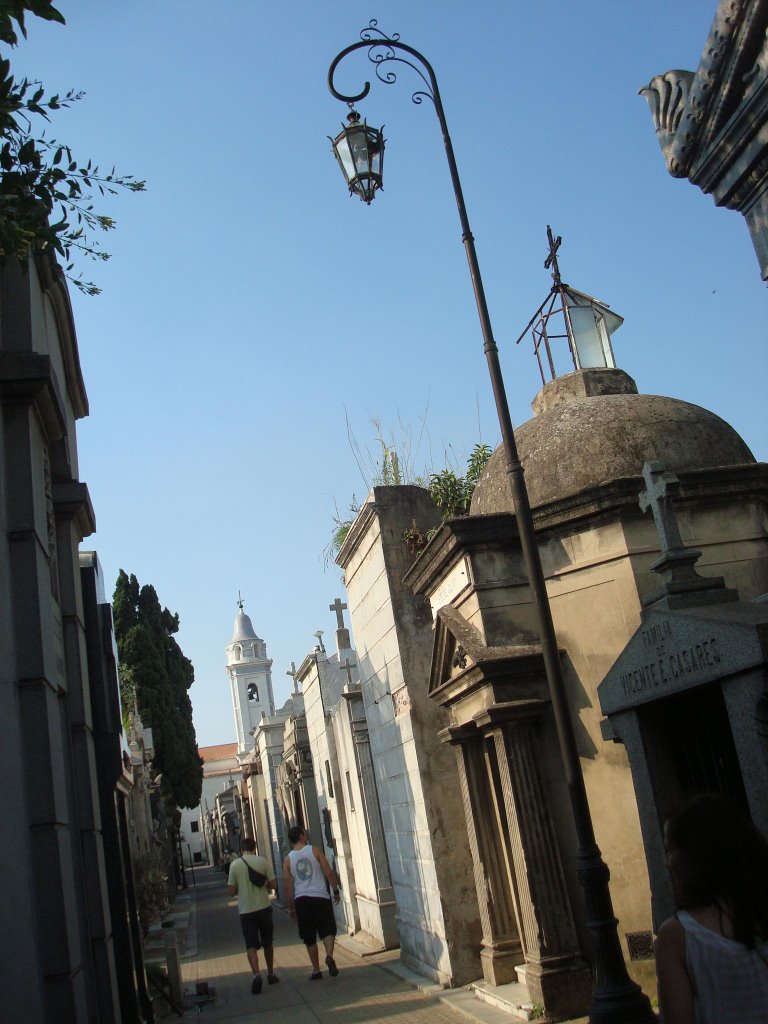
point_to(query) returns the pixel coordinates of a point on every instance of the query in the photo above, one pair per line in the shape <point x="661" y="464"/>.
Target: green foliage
<point x="452" y="493"/>
<point x="46" y="194"/>
<point x="158" y="673"/>
<point x="13" y="10"/>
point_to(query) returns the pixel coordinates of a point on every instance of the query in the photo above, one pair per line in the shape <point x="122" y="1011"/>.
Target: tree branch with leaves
<point x="46" y="194"/>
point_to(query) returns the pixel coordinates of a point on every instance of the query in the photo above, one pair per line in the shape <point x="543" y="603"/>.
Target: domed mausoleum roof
<point x="592" y="427"/>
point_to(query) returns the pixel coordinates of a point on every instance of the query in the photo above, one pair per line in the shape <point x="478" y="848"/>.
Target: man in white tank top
<point x="307" y="877"/>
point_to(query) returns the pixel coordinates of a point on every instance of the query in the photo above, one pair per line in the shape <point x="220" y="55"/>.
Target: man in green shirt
<point x="255" y="909"/>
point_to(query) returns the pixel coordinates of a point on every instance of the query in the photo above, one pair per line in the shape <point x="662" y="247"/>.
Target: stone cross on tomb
<point x="292" y="672"/>
<point x="683" y="586"/>
<point x="348" y="665"/>
<point x="659" y="488"/>
<point x="339" y="607"/>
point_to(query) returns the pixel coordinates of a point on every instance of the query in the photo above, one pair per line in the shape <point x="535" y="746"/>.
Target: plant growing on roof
<point x="452" y="493"/>
<point x="414" y="538"/>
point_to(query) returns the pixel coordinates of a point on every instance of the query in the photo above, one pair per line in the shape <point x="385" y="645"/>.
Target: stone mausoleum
<point x="583" y="454"/>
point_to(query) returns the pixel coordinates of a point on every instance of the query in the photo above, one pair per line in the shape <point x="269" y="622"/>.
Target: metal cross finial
<point x="348" y="665"/>
<point x="551" y="260"/>
<point x="239" y="601"/>
<point x="339" y="607"/>
<point x="659" y="488"/>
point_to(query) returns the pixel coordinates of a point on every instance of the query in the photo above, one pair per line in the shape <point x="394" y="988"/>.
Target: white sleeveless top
<point x="730" y="981"/>
<point x="308" y="877"/>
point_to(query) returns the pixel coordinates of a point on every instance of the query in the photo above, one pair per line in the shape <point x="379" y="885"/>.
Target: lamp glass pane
<point x="344" y="156"/>
<point x="605" y="338"/>
<point x="377" y="152"/>
<point x="589" y="345"/>
<point x="358" y="143"/>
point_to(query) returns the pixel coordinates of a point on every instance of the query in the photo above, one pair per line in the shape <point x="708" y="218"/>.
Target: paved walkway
<point x="371" y="988"/>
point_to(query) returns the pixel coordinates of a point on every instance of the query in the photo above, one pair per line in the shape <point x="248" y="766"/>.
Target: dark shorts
<point x="257" y="928"/>
<point x="315" y="918"/>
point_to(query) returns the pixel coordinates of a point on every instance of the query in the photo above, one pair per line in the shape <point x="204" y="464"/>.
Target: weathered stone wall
<point x="55" y="878"/>
<point x="418" y="786"/>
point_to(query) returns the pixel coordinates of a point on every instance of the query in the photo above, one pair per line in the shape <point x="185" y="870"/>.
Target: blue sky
<point x="250" y="306"/>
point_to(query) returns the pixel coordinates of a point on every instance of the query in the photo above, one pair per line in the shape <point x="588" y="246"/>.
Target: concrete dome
<point x="591" y="427"/>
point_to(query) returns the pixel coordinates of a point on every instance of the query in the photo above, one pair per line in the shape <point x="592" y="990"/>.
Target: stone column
<point x="554" y="974"/>
<point x="501" y="949"/>
<point x="371" y="810"/>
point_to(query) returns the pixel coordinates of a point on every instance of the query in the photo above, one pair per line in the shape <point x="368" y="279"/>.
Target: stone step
<point x="512" y="998"/>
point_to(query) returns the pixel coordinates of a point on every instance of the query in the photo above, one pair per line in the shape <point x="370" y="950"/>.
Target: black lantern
<point x="360" y="152"/>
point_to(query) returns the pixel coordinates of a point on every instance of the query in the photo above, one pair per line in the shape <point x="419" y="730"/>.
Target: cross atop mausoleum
<point x="347" y="666"/>
<point x="659" y="488"/>
<point x="339" y="607"/>
<point x="292" y="672"/>
<point x="551" y="260"/>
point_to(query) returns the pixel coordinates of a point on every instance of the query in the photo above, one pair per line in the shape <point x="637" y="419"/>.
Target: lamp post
<point x="616" y="999"/>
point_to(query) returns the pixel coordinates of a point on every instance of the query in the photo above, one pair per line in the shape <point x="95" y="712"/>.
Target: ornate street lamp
<point x="360" y="152"/>
<point x="616" y="999"/>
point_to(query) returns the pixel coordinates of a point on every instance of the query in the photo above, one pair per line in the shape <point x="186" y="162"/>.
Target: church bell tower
<point x="250" y="679"/>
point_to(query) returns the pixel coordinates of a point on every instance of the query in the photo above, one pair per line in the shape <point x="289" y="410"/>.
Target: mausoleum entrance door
<point x="684" y="697"/>
<point x="694" y="748"/>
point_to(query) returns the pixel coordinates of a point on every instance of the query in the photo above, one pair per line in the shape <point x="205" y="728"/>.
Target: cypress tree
<point x="159" y="675"/>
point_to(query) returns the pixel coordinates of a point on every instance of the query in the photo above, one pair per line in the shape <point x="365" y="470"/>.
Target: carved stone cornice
<point x="71" y="499"/>
<point x="55" y="285"/>
<point x="690" y="109"/>
<point x="457" y="536"/>
<point x="712" y="126"/>
<point x="29" y="377"/>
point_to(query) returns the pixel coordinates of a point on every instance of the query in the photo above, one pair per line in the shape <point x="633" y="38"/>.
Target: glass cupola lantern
<point x="359" y="150"/>
<point x="588" y="322"/>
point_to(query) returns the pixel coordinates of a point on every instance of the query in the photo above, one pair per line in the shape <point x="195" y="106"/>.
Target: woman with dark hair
<point x="712" y="956"/>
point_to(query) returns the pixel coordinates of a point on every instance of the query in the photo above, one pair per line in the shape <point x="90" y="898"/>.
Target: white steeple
<point x="250" y="679"/>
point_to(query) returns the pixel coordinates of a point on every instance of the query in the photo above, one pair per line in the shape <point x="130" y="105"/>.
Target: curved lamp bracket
<point x="383" y="51"/>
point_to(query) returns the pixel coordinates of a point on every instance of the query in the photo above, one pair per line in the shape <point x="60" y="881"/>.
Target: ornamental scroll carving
<point x="667" y="96"/>
<point x="689" y="110"/>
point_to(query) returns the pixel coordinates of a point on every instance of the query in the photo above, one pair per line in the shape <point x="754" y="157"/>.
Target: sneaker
<point x="317" y="976"/>
<point x="333" y="970"/>
<point x="272" y="979"/>
<point x="256" y="985"/>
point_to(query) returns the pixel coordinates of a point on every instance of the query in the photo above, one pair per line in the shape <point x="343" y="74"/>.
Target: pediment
<point x="674" y="651"/>
<point x="455" y="648"/>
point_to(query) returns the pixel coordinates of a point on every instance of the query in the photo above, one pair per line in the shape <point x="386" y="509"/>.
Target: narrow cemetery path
<point x="363" y="990"/>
